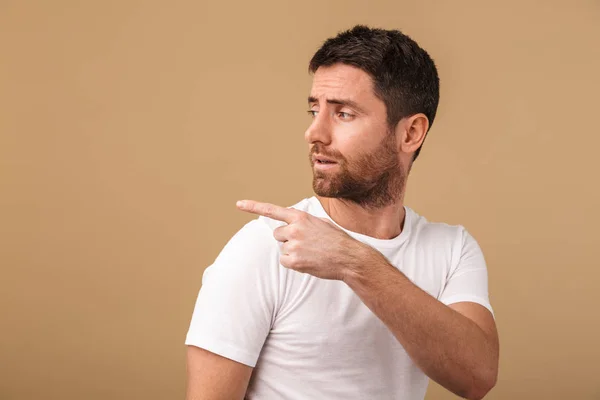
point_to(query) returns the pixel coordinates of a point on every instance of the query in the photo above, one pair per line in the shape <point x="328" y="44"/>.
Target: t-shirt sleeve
<point x="468" y="277"/>
<point x="235" y="307"/>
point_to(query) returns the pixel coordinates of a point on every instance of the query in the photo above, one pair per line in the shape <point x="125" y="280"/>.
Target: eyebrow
<point x="342" y="102"/>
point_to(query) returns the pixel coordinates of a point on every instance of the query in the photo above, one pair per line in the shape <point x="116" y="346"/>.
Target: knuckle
<point x="292" y="247"/>
<point x="293" y="230"/>
<point x="303" y="216"/>
<point x="293" y="261"/>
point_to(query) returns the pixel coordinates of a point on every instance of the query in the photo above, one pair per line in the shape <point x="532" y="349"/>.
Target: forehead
<point x="342" y="81"/>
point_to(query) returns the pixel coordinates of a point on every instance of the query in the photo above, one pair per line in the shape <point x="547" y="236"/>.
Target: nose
<point x="319" y="130"/>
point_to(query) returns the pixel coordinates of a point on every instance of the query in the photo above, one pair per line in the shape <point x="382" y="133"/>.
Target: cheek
<point x="357" y="142"/>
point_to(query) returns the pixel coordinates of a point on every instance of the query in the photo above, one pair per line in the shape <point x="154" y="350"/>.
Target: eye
<point x="312" y="113"/>
<point x="345" y="116"/>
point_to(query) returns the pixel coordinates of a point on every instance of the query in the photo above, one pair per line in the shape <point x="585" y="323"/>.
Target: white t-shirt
<point x="310" y="338"/>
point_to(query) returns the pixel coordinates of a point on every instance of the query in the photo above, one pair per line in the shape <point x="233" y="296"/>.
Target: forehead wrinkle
<point x="331" y="93"/>
<point x="342" y="86"/>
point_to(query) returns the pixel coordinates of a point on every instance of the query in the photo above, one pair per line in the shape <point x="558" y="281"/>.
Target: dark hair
<point x="405" y="77"/>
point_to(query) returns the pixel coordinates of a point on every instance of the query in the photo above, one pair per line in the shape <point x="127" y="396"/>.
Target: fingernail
<point x="240" y="203"/>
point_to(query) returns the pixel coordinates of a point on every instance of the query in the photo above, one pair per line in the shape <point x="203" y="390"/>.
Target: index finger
<point x="288" y="215"/>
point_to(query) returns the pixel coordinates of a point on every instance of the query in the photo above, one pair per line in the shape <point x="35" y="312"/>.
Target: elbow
<point x="483" y="384"/>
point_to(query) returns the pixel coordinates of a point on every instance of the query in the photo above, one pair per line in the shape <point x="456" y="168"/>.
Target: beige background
<point x="129" y="129"/>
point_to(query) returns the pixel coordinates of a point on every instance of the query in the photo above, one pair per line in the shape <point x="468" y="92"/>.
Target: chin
<point x="320" y="187"/>
<point x="324" y="190"/>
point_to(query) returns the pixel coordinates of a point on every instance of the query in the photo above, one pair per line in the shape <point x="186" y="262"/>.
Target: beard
<point x="373" y="180"/>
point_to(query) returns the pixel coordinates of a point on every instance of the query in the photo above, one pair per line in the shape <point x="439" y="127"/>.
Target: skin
<point x="457" y="345"/>
<point x="212" y="377"/>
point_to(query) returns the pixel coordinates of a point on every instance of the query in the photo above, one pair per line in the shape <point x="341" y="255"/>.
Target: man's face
<point x="353" y="153"/>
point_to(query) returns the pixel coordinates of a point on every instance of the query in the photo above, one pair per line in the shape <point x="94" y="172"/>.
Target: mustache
<point x="330" y="153"/>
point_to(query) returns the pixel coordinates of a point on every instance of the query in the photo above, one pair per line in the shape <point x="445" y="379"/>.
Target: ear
<point x="411" y="132"/>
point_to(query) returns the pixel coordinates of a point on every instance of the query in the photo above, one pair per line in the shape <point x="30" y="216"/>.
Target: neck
<point x="381" y="223"/>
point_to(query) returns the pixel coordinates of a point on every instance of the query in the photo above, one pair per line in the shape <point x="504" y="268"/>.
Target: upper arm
<point x="467" y="280"/>
<point x="236" y="304"/>
<point x="481" y="316"/>
<point x="233" y="314"/>
<point x="466" y="289"/>
<point x="213" y="377"/>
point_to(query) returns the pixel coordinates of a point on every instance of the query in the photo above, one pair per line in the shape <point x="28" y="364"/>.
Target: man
<point x="349" y="294"/>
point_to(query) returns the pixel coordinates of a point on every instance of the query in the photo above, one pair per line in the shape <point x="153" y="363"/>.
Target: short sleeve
<point x="468" y="278"/>
<point x="235" y="306"/>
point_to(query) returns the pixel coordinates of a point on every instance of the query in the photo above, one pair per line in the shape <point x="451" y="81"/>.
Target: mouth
<point x="320" y="160"/>
<point x="324" y="162"/>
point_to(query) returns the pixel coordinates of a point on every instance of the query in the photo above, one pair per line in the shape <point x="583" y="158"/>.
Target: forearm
<point x="449" y="347"/>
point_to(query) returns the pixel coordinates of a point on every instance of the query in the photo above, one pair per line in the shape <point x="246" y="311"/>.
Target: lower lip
<point x="324" y="165"/>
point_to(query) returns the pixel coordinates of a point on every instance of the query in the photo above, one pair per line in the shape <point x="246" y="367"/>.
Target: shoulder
<point x="248" y="256"/>
<point x="257" y="235"/>
<point x="427" y="230"/>
<point x="250" y="251"/>
<point x="254" y="235"/>
<point x="453" y="238"/>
